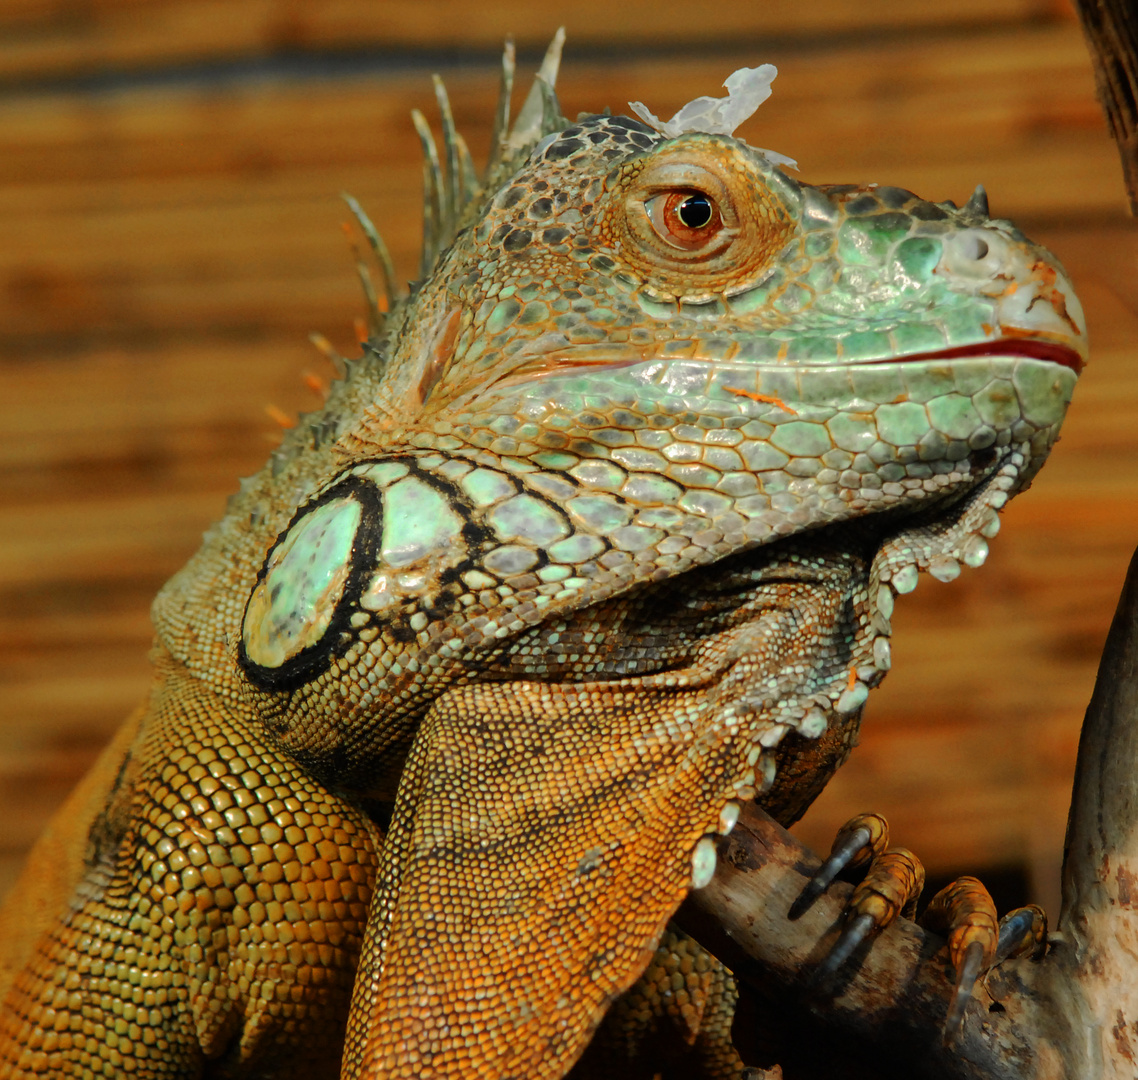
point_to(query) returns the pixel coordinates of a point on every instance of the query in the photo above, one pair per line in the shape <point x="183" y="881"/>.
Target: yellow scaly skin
<point x="599" y="538"/>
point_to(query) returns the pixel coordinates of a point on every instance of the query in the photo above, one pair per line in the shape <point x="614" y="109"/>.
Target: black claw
<point x="844" y="851"/>
<point x="856" y="931"/>
<point x="1015" y="928"/>
<point x="965" y="983"/>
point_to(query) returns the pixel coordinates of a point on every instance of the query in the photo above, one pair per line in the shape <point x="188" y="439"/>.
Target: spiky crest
<point x="453" y="193"/>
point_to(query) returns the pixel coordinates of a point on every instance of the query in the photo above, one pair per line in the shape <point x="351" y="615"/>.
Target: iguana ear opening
<point x="542" y="837"/>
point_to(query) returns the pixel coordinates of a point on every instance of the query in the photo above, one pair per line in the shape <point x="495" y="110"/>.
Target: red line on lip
<point x="1036" y="349"/>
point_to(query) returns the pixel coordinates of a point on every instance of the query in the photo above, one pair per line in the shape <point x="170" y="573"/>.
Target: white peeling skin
<point x="728" y="817"/>
<point x="747" y="89"/>
<point x="703" y="860"/>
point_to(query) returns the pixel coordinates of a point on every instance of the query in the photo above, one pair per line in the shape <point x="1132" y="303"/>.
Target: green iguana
<point x="599" y="539"/>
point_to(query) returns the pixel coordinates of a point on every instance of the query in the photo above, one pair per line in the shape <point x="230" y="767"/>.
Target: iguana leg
<point x="544" y="832"/>
<point x="648" y="1031"/>
<point x="542" y="836"/>
<point x="673" y="1024"/>
<point x="217" y="919"/>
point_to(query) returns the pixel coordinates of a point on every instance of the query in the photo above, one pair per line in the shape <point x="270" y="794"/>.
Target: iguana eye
<point x="686" y="219"/>
<point x="699" y="216"/>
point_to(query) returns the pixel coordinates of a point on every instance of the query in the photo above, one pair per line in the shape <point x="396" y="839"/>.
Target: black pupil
<point x="695" y="211"/>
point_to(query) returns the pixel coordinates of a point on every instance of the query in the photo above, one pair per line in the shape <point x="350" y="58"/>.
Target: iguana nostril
<point x="978" y="255"/>
<point x="974" y="247"/>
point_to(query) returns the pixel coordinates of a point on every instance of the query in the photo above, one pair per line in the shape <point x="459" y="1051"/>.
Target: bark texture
<point x="1111" y="28"/>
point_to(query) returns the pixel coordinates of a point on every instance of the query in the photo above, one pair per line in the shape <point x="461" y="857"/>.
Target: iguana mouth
<point x="572" y="360"/>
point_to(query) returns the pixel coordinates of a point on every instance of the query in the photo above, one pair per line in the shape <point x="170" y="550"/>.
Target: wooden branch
<point x="1100" y="864"/>
<point x="1074" y="1014"/>
<point x="891" y="995"/>
<point x="1111" y="29"/>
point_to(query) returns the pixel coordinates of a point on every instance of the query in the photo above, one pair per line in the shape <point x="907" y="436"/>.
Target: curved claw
<point x="892" y="886"/>
<point x="967" y="974"/>
<point x="860" y="839"/>
<point x="1022" y="933"/>
<point x="965" y="913"/>
<point x="857" y="930"/>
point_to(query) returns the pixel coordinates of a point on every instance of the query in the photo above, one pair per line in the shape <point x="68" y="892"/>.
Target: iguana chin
<point x="599" y="538"/>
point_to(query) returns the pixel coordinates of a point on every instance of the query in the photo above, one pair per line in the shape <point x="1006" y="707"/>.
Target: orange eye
<point x="686" y="219"/>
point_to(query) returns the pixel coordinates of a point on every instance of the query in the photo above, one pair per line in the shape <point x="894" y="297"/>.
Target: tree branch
<point x="1111" y="29"/>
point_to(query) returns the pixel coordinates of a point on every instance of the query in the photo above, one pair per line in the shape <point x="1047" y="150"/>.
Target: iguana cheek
<point x="380" y="541"/>
<point x="417" y="520"/>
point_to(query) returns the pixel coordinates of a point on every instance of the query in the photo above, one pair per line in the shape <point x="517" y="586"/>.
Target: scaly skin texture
<point x="599" y="538"/>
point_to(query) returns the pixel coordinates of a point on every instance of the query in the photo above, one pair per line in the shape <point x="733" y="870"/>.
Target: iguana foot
<point x="890" y="888"/>
<point x="962" y="911"/>
<point x="891" y="885"/>
<point x="965" y="913"/>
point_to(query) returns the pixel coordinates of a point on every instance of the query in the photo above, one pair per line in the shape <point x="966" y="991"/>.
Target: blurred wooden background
<point x="169" y="234"/>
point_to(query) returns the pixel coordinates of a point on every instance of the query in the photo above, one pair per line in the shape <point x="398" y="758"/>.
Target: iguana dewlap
<point x="599" y="538"/>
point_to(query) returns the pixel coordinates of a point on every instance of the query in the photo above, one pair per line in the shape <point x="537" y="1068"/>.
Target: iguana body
<point x="600" y="538"/>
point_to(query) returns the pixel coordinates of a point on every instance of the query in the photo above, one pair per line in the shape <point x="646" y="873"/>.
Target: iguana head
<point x="632" y="353"/>
<point x="678" y="321"/>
